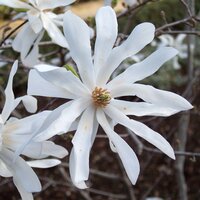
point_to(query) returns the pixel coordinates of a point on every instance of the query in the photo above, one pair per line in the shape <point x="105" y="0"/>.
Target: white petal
<point x="53" y="31"/>
<point x="72" y="166"/>
<point x="153" y="95"/>
<point x="4" y="170"/>
<point x="61" y="122"/>
<point x="44" y="149"/>
<point x="34" y="20"/>
<point x="82" y="143"/>
<point x="106" y="25"/>
<point x="30" y="103"/>
<point x="141" y="35"/>
<point x="32" y="58"/>
<point x="40" y="87"/>
<point x="45" y="163"/>
<point x="49" y="4"/>
<point x="77" y="34"/>
<point x="26" y="42"/>
<point x="9" y="95"/>
<point x="19" y="170"/>
<point x="145" y="68"/>
<point x="62" y="78"/>
<point x="141" y="130"/>
<point x="142" y="108"/>
<point x="127" y="155"/>
<point x="24" y="194"/>
<point x="15" y="4"/>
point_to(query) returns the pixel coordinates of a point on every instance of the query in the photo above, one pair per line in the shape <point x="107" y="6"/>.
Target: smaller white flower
<point x="40" y="18"/>
<point x="94" y="96"/>
<point x="13" y="135"/>
<point x="176" y="42"/>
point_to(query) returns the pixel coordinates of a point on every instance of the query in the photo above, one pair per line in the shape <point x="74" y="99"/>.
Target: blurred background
<point x="177" y="24"/>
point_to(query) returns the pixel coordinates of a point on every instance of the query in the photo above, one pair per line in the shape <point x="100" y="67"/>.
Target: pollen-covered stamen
<point x="101" y="97"/>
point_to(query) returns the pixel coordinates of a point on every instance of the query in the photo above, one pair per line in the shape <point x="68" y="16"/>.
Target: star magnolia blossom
<point x="40" y="18"/>
<point x="14" y="133"/>
<point x="94" y="97"/>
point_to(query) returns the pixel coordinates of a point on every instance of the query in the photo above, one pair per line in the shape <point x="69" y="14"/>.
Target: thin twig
<point x="12" y="32"/>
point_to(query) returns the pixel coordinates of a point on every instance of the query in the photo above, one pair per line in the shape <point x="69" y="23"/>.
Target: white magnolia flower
<point x="14" y="133"/>
<point x="40" y="18"/>
<point x="176" y="42"/>
<point x="95" y="97"/>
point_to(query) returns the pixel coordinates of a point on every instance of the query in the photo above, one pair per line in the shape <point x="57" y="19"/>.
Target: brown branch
<point x="12" y="32"/>
<point x="134" y="7"/>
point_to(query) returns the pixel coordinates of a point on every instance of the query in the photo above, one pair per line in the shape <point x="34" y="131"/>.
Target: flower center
<point x="101" y="97"/>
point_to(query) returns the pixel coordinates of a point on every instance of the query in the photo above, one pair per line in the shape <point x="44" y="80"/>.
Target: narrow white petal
<point x="61" y="122"/>
<point x="142" y="108"/>
<point x="82" y="143"/>
<point x="26" y="42"/>
<point x="145" y="68"/>
<point x="31" y="57"/>
<point x="24" y="194"/>
<point x="9" y="95"/>
<point x="45" y="163"/>
<point x="39" y="150"/>
<point x="53" y="31"/>
<point x="72" y="167"/>
<point x="141" y="35"/>
<point x="152" y="95"/>
<point x="34" y="20"/>
<point x="40" y="87"/>
<point x="4" y="171"/>
<point x="30" y="103"/>
<point x="106" y="25"/>
<point x="141" y="130"/>
<point x="49" y="4"/>
<point x="19" y="170"/>
<point x="62" y="78"/>
<point x="77" y="34"/>
<point x="15" y="4"/>
<point x="127" y="155"/>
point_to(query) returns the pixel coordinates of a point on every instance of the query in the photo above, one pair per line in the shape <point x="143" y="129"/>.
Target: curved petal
<point x="141" y="130"/>
<point x="15" y="4"/>
<point x="53" y="31"/>
<point x="4" y="171"/>
<point x="24" y="194"/>
<point x="63" y="121"/>
<point x="40" y="87"/>
<point x="82" y="143"/>
<point x="45" y="163"/>
<point x="152" y="95"/>
<point x="9" y="95"/>
<point x="30" y="103"/>
<point x="127" y="155"/>
<point x="77" y="34"/>
<point x="145" y="68"/>
<point x="44" y="149"/>
<point x="34" y="20"/>
<point x="141" y="35"/>
<point x="106" y="25"/>
<point x="142" y="108"/>
<point x="19" y="170"/>
<point x="26" y="42"/>
<point x="62" y="78"/>
<point x="49" y="4"/>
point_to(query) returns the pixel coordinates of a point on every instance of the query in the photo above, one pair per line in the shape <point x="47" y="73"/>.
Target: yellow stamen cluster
<point x="101" y="97"/>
